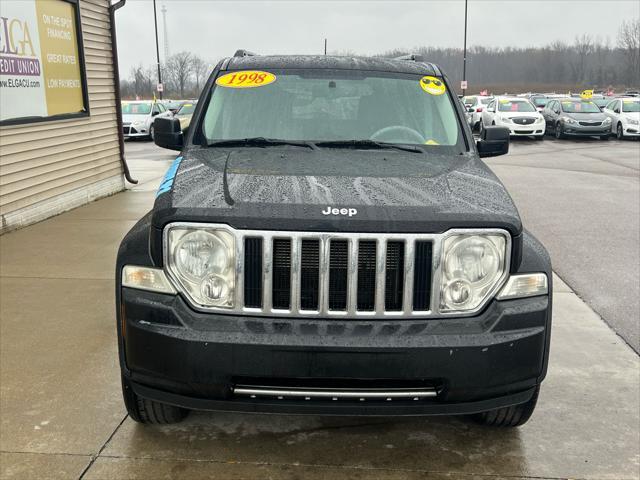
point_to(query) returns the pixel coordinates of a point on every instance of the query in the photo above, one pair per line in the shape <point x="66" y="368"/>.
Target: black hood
<point x="288" y="188"/>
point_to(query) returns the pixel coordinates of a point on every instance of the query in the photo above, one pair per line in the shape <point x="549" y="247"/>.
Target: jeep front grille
<point x="334" y="274"/>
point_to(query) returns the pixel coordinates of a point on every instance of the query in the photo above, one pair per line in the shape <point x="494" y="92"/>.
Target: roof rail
<point x="412" y="57"/>
<point x="244" y="53"/>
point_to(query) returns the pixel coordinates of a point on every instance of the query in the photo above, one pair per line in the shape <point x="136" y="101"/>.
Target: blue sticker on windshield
<point x="167" y="181"/>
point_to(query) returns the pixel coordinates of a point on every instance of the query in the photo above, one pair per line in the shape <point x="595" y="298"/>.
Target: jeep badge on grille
<point x="340" y="211"/>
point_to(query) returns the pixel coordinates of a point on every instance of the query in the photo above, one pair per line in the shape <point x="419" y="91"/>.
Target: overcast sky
<point x="214" y="29"/>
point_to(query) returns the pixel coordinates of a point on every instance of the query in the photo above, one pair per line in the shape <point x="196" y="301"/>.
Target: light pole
<point x="155" y="22"/>
<point x="464" y="53"/>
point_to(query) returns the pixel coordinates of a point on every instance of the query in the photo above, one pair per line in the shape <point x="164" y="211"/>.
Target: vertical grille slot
<point x="394" y="276"/>
<point x="281" y="280"/>
<point x="338" y="282"/>
<point x="366" y="275"/>
<point x="253" y="272"/>
<point x="309" y="274"/>
<point x="422" y="276"/>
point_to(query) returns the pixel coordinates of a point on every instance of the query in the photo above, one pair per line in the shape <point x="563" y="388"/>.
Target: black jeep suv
<point x="329" y="242"/>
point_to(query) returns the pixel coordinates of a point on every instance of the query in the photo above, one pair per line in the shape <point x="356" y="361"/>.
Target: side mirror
<point x="153" y="114"/>
<point x="167" y="133"/>
<point x="493" y="141"/>
<point x="470" y="109"/>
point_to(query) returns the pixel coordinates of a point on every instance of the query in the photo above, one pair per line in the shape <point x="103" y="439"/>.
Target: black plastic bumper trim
<point x="287" y="407"/>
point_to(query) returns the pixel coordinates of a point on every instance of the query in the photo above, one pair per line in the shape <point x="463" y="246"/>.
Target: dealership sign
<point x="40" y="69"/>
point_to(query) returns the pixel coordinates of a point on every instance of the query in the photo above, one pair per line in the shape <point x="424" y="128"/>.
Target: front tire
<point x="619" y="131"/>
<point x="150" y="412"/>
<point x="152" y="133"/>
<point x="558" y="131"/>
<point x="513" y="416"/>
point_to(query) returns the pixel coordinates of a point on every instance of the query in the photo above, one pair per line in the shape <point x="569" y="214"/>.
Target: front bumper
<point x="533" y="130"/>
<point x="632" y="130"/>
<point x="578" y="130"/>
<point x="172" y="354"/>
<point x="130" y="131"/>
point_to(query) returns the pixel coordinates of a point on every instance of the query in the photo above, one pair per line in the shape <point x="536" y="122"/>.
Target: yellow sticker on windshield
<point x="432" y="85"/>
<point x="505" y="101"/>
<point x="630" y="101"/>
<point x="431" y="142"/>
<point x="246" y="79"/>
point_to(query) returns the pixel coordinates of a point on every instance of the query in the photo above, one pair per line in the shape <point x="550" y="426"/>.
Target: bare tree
<point x="629" y="43"/>
<point x="200" y="69"/>
<point x="589" y="62"/>
<point x="142" y="81"/>
<point x="583" y="47"/>
<point x="179" y="71"/>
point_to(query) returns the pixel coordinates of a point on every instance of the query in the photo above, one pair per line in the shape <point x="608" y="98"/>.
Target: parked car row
<point x="537" y="115"/>
<point x="138" y="116"/>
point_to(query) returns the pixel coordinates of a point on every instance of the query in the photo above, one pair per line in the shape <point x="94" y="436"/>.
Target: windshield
<point x="540" y="101"/>
<point x="569" y="106"/>
<point x="601" y="102"/>
<point x="332" y="105"/>
<point x="486" y="100"/>
<point x="630" y="106"/>
<point x="515" y="106"/>
<point x="136" y="108"/>
<point x="470" y="100"/>
<point x="186" y="109"/>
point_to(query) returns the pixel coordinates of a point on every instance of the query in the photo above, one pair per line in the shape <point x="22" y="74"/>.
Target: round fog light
<point x="458" y="292"/>
<point x="214" y="288"/>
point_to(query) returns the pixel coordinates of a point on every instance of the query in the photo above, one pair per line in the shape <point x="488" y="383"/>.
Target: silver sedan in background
<point x="138" y="117"/>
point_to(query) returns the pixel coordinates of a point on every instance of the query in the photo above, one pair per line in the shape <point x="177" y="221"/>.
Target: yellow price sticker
<point x="246" y="79"/>
<point x="432" y="85"/>
<point x="431" y="142"/>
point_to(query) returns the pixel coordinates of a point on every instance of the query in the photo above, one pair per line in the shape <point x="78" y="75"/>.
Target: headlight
<point x="504" y="119"/>
<point x="472" y="267"/>
<point x="539" y="119"/>
<point x="607" y="121"/>
<point x="632" y="121"/>
<point x="202" y="263"/>
<point x="137" y="123"/>
<point x="570" y="121"/>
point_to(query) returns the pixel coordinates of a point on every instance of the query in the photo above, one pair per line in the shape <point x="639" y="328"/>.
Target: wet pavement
<point x="581" y="198"/>
<point x="62" y="414"/>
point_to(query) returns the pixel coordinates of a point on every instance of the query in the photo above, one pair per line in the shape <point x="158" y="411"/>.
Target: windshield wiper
<point x="367" y="144"/>
<point x="259" y="142"/>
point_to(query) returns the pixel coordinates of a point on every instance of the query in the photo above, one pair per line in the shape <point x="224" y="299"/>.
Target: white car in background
<point x="517" y="114"/>
<point x="475" y="105"/>
<point x="138" y="117"/>
<point x="625" y="116"/>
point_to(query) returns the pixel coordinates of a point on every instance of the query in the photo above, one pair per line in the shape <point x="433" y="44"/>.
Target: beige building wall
<point x="49" y="167"/>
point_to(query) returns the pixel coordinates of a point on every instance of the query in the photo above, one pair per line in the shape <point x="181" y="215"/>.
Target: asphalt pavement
<point x="581" y="198"/>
